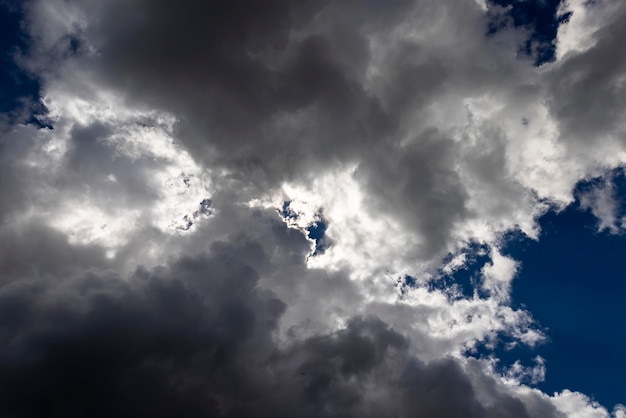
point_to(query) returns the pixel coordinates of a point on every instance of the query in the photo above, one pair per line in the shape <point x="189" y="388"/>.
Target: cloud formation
<point x="155" y="242"/>
<point x="195" y="338"/>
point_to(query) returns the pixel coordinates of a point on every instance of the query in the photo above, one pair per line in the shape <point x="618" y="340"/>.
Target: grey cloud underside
<point x="195" y="338"/>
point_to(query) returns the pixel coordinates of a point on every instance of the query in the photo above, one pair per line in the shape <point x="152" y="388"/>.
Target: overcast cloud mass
<point x="246" y="208"/>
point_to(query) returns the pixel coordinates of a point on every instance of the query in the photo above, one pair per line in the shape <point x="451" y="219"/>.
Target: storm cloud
<point x="160" y="228"/>
<point x="195" y="338"/>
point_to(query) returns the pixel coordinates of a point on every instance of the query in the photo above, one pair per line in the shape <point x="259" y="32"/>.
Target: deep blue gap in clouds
<point x="466" y="279"/>
<point x="573" y="281"/>
<point x="539" y="17"/>
<point x="317" y="231"/>
<point x="19" y="90"/>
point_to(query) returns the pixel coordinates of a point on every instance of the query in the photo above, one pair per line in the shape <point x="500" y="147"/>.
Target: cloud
<point x="154" y="249"/>
<point x="602" y="201"/>
<point x="585" y="91"/>
<point x="131" y="346"/>
<point x="284" y="102"/>
<point x="195" y="338"/>
<point x="578" y="405"/>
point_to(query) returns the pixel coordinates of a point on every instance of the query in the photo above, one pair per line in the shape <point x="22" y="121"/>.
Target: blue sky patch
<point x="541" y="18"/>
<point x="572" y="281"/>
<point x="317" y="231"/>
<point x="19" y="90"/>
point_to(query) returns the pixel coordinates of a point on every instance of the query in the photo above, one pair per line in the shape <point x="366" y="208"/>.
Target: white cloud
<point x="619" y="411"/>
<point x="586" y="18"/>
<point x="498" y="275"/>
<point x="577" y="405"/>
<point x="533" y="374"/>
<point x="601" y="200"/>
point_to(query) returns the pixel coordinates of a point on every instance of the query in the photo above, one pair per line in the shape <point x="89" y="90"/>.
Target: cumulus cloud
<point x="155" y="238"/>
<point x="195" y="338"/>
<point x="602" y="201"/>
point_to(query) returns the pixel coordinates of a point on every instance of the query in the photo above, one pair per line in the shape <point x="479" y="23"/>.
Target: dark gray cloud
<point x="195" y="338"/>
<point x="232" y="71"/>
<point x="425" y="168"/>
<point x="14" y="176"/>
<point x="100" y="345"/>
<point x="35" y="250"/>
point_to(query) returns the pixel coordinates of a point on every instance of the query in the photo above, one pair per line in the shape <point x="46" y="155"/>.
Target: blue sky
<point x="331" y="209"/>
<point x="571" y="278"/>
<point x="571" y="281"/>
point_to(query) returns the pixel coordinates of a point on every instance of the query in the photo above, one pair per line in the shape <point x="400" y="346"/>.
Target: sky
<point x="318" y="208"/>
